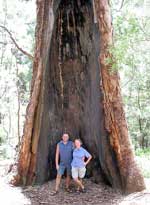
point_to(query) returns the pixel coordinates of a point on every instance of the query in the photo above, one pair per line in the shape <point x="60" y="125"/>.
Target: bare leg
<point x="58" y="179"/>
<point x="81" y="180"/>
<point x="68" y="180"/>
<point x="79" y="183"/>
<point x="78" y="188"/>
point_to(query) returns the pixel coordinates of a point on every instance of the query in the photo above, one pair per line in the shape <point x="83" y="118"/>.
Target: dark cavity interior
<point x="72" y="96"/>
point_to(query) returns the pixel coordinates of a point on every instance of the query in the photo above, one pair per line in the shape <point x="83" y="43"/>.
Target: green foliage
<point x="2" y="136"/>
<point x="15" y="68"/>
<point x="131" y="53"/>
<point x="143" y="152"/>
<point x="143" y="160"/>
<point x="3" y="153"/>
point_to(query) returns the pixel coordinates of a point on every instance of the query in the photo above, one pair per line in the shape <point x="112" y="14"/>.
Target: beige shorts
<point x="78" y="172"/>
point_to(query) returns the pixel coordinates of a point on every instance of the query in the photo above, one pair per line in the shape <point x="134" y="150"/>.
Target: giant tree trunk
<point x="73" y="90"/>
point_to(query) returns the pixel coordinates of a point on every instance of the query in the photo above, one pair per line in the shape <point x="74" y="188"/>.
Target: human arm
<point x="73" y="146"/>
<point x="57" y="157"/>
<point x="88" y="156"/>
<point x="88" y="160"/>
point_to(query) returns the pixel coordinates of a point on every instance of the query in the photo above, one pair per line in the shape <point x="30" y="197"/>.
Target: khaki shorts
<point x="78" y="172"/>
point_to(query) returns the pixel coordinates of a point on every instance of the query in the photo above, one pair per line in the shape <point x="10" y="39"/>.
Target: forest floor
<point x="97" y="194"/>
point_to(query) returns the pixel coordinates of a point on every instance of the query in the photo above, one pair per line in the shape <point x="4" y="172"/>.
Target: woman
<point x="79" y="164"/>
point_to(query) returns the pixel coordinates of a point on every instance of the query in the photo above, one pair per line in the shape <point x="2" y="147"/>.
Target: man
<point x="64" y="152"/>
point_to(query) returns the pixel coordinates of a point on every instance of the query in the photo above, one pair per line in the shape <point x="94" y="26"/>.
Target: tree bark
<point x="73" y="90"/>
<point x="115" y="122"/>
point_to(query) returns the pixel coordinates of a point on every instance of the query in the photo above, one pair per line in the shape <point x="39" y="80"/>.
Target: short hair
<point x="65" y="134"/>
<point x="79" y="140"/>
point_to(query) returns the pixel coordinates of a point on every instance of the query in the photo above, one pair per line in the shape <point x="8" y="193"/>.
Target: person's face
<point x="65" y="137"/>
<point x="77" y="143"/>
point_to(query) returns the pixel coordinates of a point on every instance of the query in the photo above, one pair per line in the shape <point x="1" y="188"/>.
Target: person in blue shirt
<point x="81" y="157"/>
<point x="63" y="160"/>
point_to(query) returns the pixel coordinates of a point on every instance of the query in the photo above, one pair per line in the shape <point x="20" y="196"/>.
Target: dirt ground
<point x="97" y="194"/>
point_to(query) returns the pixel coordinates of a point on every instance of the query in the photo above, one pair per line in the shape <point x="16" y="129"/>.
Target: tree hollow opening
<point x="71" y="97"/>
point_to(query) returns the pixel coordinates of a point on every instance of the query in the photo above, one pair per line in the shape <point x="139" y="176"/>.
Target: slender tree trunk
<point x="18" y="109"/>
<point x="74" y="91"/>
<point x="142" y="135"/>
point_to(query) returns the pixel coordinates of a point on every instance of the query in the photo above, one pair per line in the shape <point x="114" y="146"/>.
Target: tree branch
<point x="122" y="3"/>
<point x="17" y="46"/>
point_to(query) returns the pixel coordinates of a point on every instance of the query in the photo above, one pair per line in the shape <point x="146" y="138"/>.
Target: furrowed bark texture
<point x="73" y="90"/>
<point x="128" y="174"/>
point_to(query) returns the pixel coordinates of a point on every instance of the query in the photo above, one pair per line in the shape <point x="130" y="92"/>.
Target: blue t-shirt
<point x="79" y="156"/>
<point x="65" y="151"/>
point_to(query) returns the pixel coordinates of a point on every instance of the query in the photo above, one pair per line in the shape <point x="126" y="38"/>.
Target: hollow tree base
<point x="74" y="92"/>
